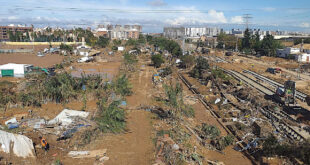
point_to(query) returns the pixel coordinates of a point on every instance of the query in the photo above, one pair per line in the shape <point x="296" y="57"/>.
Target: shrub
<point x="111" y="118"/>
<point x="130" y="59"/>
<point x="166" y="71"/>
<point x="114" y="48"/>
<point x="218" y="73"/>
<point x="157" y="60"/>
<point x="175" y="99"/>
<point x="201" y="66"/>
<point x="122" y="86"/>
<point x="187" y="61"/>
<point x="210" y="131"/>
<point x="66" y="47"/>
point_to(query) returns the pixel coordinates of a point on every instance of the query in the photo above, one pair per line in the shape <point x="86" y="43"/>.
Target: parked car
<point x="271" y="70"/>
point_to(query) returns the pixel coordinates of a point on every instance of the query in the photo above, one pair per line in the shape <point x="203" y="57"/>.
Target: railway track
<point x="271" y="114"/>
<point x="301" y="96"/>
<point x="215" y="115"/>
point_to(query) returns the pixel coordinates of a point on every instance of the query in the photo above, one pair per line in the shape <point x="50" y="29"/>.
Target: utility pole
<point x="300" y="57"/>
<point x="247" y="18"/>
<point x="237" y="45"/>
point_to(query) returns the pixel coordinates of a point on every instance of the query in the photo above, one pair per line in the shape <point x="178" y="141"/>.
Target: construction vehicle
<point x="287" y="95"/>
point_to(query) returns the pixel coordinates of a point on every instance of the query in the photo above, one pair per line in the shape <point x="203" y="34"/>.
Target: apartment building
<point x="4" y="31"/>
<point x="204" y="31"/>
<point x="119" y="32"/>
<point x="174" y="32"/>
<point x="191" y="32"/>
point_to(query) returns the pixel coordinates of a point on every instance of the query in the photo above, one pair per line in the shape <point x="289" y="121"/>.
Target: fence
<point x="16" y="50"/>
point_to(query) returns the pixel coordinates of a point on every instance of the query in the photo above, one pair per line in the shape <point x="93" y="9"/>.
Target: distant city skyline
<point x="153" y="15"/>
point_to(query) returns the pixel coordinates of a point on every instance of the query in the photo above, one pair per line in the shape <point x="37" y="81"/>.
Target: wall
<point x="41" y="43"/>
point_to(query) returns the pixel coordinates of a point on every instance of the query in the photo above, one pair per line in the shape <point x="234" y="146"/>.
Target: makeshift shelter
<point x="21" y="145"/>
<point x="65" y="117"/>
<point x="14" y="70"/>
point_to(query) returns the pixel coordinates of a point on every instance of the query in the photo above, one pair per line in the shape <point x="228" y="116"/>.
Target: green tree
<point x="149" y="38"/>
<point x="157" y="60"/>
<point x="228" y="40"/>
<point x="246" y="41"/>
<point x="187" y="61"/>
<point x="141" y="39"/>
<point x="132" y="42"/>
<point x="256" y="42"/>
<point x="117" y="42"/>
<point x="66" y="47"/>
<point x="12" y="37"/>
<point x="201" y="65"/>
<point x="103" y="42"/>
<point x="269" y="45"/>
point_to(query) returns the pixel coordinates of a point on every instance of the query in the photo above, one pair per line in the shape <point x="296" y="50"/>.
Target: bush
<point x="66" y="47"/>
<point x="175" y="100"/>
<point x="218" y="73"/>
<point x="103" y="42"/>
<point x="7" y="93"/>
<point x="171" y="46"/>
<point x="166" y="71"/>
<point x="111" y="118"/>
<point x="130" y="58"/>
<point x="157" y="60"/>
<point x="61" y="87"/>
<point x="114" y="48"/>
<point x="122" y="86"/>
<point x="201" y="65"/>
<point x="117" y="42"/>
<point x="187" y="61"/>
<point x="28" y="99"/>
<point x="131" y="42"/>
<point x="210" y="131"/>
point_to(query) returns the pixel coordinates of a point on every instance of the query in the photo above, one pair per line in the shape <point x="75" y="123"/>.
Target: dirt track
<point x="135" y="146"/>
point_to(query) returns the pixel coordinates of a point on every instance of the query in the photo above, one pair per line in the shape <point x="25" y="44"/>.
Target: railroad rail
<point x="215" y="115"/>
<point x="277" y="116"/>
<point x="301" y="96"/>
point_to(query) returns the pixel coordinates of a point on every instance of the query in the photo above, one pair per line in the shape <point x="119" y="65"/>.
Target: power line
<point x="247" y="18"/>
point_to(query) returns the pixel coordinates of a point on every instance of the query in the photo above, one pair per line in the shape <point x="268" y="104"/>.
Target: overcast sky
<point x="153" y="15"/>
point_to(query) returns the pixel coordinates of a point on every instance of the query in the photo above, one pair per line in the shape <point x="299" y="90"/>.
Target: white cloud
<point x="269" y="9"/>
<point x="12" y="18"/>
<point x="305" y="25"/>
<point x="196" y="17"/>
<point x="157" y="3"/>
<point x="237" y="19"/>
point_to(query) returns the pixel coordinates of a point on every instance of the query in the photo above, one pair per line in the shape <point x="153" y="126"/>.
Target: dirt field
<point x="29" y="58"/>
<point x="21" y="58"/>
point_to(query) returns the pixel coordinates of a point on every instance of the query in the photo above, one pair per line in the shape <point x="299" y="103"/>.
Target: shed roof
<point x="12" y="65"/>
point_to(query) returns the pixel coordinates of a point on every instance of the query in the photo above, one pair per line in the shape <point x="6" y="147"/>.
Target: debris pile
<point x="20" y="145"/>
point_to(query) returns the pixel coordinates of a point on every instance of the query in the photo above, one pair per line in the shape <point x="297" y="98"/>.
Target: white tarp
<point x="22" y="145"/>
<point x="11" y="121"/>
<point x="65" y="117"/>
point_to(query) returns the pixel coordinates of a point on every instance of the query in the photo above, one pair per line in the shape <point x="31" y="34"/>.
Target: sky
<point x="153" y="15"/>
